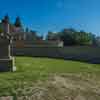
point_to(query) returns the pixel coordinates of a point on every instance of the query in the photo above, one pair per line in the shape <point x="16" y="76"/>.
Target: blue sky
<point x="54" y="15"/>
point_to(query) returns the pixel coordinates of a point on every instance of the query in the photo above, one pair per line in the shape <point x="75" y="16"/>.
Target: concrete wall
<point x="82" y="53"/>
<point x="37" y="43"/>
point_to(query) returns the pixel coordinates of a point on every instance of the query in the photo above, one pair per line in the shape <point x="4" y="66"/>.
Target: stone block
<point x="6" y="65"/>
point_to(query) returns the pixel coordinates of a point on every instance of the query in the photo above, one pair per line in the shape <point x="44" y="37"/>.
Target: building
<point x="7" y="27"/>
<point x="26" y="38"/>
<point x="16" y="30"/>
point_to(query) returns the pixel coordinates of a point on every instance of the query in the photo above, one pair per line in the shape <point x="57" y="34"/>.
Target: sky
<point x="54" y="15"/>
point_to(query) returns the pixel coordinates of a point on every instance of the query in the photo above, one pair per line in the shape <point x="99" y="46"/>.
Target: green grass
<point x="30" y="70"/>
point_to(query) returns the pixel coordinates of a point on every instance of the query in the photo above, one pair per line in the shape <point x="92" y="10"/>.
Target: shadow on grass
<point x="89" y="60"/>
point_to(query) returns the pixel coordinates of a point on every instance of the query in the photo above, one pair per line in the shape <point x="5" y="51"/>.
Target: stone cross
<point x="6" y="60"/>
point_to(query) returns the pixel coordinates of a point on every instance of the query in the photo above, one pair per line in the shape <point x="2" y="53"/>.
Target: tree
<point x="6" y="19"/>
<point x="72" y="37"/>
<point x="27" y="29"/>
<point x="52" y="36"/>
<point x="67" y="35"/>
<point x="18" y="22"/>
<point x="93" y="38"/>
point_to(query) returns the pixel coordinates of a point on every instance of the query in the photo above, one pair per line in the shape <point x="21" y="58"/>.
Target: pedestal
<point x="7" y="65"/>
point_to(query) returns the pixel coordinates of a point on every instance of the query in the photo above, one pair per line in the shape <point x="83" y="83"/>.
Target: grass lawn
<point x="31" y="70"/>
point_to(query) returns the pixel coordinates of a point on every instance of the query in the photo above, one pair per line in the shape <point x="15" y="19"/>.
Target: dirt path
<point x="63" y="87"/>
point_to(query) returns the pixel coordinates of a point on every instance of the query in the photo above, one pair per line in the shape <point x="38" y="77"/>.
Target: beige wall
<point x="38" y="43"/>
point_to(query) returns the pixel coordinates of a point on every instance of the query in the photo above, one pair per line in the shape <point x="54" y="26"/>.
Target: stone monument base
<point x="7" y="65"/>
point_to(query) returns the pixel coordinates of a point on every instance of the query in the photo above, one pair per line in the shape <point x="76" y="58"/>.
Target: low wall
<point x="82" y="53"/>
<point x="37" y="43"/>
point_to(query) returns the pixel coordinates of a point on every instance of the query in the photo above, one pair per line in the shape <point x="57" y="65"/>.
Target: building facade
<point x="27" y="38"/>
